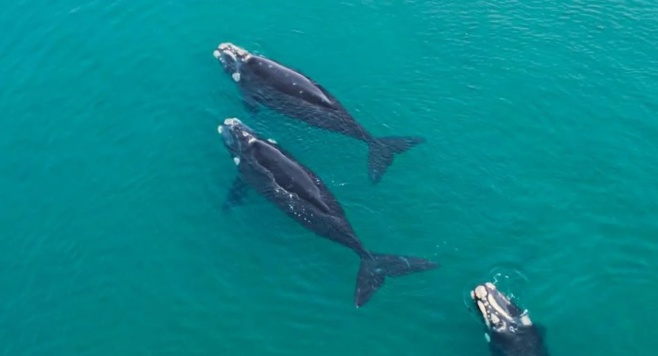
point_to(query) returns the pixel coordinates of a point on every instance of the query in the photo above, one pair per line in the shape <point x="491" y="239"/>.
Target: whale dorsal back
<point x="288" y="174"/>
<point x="290" y="82"/>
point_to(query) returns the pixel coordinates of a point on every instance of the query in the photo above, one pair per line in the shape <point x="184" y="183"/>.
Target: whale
<point x="264" y="82"/>
<point x="266" y="168"/>
<point x="508" y="329"/>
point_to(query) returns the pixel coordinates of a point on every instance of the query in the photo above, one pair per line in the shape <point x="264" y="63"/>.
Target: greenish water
<point x="539" y="171"/>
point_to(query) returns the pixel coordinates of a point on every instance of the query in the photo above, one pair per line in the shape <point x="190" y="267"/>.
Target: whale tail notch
<point x="383" y="150"/>
<point x="376" y="267"/>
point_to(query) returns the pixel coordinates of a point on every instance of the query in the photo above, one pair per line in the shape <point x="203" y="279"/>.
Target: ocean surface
<point x="539" y="173"/>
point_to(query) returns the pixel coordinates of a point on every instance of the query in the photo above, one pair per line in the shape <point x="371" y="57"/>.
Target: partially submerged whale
<point x="272" y="172"/>
<point x="509" y="330"/>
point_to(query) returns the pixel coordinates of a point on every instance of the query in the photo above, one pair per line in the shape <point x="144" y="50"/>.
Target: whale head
<point x="238" y="137"/>
<point x="231" y="57"/>
<point x="500" y="315"/>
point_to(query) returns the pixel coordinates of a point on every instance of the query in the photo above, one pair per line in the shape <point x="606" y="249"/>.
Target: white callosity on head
<point x="220" y="129"/>
<point x="271" y="141"/>
<point x="231" y="121"/>
<point x="236" y="160"/>
<point x="236" y="76"/>
<point x="525" y="320"/>
<point x="483" y="310"/>
<point x="494" y="318"/>
<point x="232" y="50"/>
<point x="481" y="292"/>
<point x="241" y="52"/>
<point x="250" y="138"/>
<point x="494" y="303"/>
<point x="217" y="54"/>
<point x="485" y="299"/>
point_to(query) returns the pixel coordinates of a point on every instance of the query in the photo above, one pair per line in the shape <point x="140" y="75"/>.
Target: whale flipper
<point x="382" y="151"/>
<point x="236" y="193"/>
<point x="376" y="267"/>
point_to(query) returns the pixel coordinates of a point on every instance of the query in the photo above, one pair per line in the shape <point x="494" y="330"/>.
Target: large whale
<point x="265" y="167"/>
<point x="266" y="82"/>
<point x="509" y="330"/>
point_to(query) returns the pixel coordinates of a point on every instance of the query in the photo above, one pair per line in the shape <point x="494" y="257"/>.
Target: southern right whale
<point x="272" y="172"/>
<point x="509" y="331"/>
<point x="269" y="83"/>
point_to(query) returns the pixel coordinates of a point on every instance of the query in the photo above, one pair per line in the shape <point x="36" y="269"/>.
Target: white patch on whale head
<point x="236" y="76"/>
<point x="481" y="292"/>
<point x="220" y="128"/>
<point x="494" y="303"/>
<point x="232" y="120"/>
<point x="236" y="160"/>
<point x="238" y="54"/>
<point x="217" y="54"/>
<point x="271" y="141"/>
<point x="482" y="308"/>
<point x="525" y="320"/>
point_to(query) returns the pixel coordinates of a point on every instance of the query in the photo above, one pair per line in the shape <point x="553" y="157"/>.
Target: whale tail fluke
<point x="376" y="267"/>
<point x="382" y="151"/>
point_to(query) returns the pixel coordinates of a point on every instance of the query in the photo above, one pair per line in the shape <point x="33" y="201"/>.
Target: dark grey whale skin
<point x="293" y="188"/>
<point x="266" y="82"/>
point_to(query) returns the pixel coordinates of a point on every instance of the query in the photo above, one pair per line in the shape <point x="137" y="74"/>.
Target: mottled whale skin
<point x="265" y="82"/>
<point x="509" y="330"/>
<point x="265" y="167"/>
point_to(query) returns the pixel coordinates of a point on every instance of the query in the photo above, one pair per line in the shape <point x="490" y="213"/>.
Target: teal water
<point x="539" y="172"/>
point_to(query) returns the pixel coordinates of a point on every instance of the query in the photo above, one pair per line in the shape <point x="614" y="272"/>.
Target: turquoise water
<point x="539" y="172"/>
